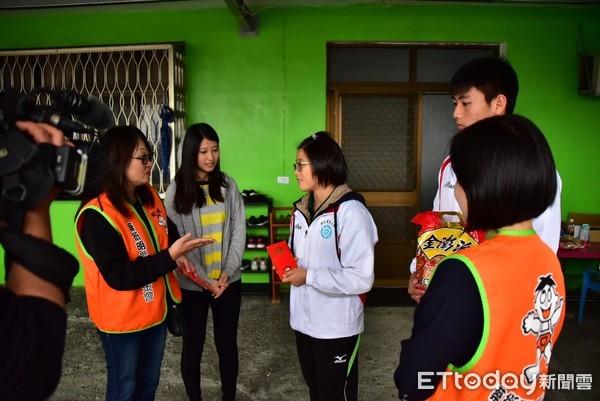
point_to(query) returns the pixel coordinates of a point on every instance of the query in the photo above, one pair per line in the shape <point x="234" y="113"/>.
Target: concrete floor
<point x="269" y="369"/>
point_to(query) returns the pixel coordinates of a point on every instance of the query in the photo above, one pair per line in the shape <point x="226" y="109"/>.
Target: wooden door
<point x="378" y="133"/>
<point x="389" y="108"/>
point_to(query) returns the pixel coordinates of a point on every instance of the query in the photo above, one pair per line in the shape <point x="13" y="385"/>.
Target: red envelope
<point x="194" y="277"/>
<point x="281" y="257"/>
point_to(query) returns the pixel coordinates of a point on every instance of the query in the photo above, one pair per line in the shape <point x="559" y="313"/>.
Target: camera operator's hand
<point x="43" y="133"/>
<point x="36" y="222"/>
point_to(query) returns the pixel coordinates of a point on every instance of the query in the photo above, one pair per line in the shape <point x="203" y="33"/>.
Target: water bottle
<point x="571" y="227"/>
<point x="584" y="234"/>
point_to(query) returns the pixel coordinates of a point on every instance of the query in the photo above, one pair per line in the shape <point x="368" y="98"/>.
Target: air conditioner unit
<point x="589" y="74"/>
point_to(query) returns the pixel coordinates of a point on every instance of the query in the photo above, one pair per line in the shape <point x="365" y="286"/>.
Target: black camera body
<point x="29" y="170"/>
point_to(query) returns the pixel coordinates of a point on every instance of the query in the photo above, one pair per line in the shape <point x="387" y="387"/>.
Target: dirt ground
<point x="269" y="369"/>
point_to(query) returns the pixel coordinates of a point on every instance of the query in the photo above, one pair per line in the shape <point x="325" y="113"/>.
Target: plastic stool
<point x="587" y="284"/>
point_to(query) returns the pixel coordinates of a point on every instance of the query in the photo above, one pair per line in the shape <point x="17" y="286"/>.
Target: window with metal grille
<point x="142" y="84"/>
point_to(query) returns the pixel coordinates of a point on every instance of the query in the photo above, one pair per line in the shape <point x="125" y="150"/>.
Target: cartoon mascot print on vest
<point x="541" y="322"/>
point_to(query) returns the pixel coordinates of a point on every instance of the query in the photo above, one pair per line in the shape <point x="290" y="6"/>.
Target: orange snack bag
<point x="438" y="238"/>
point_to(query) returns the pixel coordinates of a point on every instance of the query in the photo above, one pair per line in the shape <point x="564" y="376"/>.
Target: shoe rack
<point x="255" y="263"/>
<point x="279" y="227"/>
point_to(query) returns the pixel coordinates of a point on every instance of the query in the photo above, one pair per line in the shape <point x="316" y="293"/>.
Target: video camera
<point x="29" y="170"/>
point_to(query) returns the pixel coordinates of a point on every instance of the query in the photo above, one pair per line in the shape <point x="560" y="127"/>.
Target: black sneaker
<point x="259" y="221"/>
<point x="246" y="193"/>
<point x="251" y="197"/>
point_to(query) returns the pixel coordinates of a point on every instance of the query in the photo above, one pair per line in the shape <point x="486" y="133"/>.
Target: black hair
<point x="506" y="169"/>
<point x="491" y="76"/>
<point x="120" y="142"/>
<point x="327" y="159"/>
<point x="546" y="281"/>
<point x="188" y="191"/>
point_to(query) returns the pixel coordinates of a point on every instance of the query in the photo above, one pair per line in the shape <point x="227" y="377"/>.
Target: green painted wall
<point x="265" y="93"/>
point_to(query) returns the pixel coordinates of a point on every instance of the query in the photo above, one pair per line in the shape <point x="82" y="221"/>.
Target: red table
<point x="589" y="252"/>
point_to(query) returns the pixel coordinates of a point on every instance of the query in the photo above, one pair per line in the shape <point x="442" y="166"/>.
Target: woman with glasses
<point x="128" y="253"/>
<point x="333" y="237"/>
<point x="205" y="201"/>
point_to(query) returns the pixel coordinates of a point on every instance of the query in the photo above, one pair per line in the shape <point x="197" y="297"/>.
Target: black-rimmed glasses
<point x="146" y="159"/>
<point x="298" y="165"/>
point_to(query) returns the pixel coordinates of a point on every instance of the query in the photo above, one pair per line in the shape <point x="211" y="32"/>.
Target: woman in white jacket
<point x="333" y="236"/>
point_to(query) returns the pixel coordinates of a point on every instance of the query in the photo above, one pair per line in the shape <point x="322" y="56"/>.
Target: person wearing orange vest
<point x="482" y="88"/>
<point x="129" y="252"/>
<point x="490" y="318"/>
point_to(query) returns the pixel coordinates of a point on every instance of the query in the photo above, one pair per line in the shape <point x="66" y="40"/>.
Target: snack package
<point x="439" y="237"/>
<point x="281" y="257"/>
<point x="570" y="242"/>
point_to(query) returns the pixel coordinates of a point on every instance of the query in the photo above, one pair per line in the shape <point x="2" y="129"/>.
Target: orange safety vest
<point x="114" y="311"/>
<point x="523" y="295"/>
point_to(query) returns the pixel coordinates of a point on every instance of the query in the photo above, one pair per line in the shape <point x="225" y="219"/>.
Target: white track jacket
<point x="328" y="305"/>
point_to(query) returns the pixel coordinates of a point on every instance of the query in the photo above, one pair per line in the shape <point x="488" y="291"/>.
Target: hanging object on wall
<point x="167" y="116"/>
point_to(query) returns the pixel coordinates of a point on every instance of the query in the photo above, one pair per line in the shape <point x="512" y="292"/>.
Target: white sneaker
<point x="263" y="265"/>
<point x="254" y="265"/>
